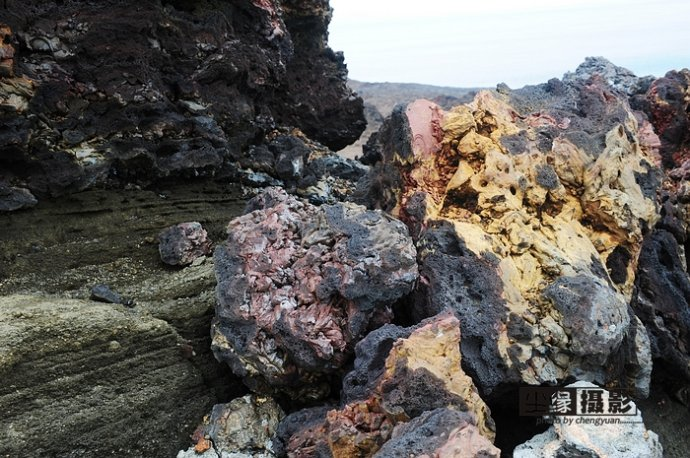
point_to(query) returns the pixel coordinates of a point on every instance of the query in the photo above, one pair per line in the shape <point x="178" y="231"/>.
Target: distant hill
<point x="381" y="98"/>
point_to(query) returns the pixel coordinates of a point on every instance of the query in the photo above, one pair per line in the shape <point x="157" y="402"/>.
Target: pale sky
<point x="482" y="43"/>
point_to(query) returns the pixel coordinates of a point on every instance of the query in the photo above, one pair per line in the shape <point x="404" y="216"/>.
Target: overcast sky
<point x="481" y="43"/>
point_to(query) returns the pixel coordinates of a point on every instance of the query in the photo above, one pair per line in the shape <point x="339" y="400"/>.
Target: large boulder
<point x="85" y="378"/>
<point x="115" y="92"/>
<point x="529" y="208"/>
<point x="300" y="285"/>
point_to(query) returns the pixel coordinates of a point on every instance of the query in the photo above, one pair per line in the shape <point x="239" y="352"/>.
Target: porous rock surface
<point x="114" y="92"/>
<point x="241" y="428"/>
<point x="441" y="432"/>
<point x="183" y="243"/>
<point x="299" y="285"/>
<point x="83" y="378"/>
<point x="529" y="208"/>
<point x="663" y="284"/>
<point x="608" y="438"/>
<point x="400" y="374"/>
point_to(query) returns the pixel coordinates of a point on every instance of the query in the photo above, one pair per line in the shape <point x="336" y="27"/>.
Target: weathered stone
<point x="103" y="293"/>
<point x="663" y="301"/>
<point x="183" y="243"/>
<point x="399" y="374"/>
<point x="12" y="198"/>
<point x="441" y="432"/>
<point x="609" y="436"/>
<point x="529" y="208"/>
<point x="299" y="285"/>
<point x="124" y="92"/>
<point x="84" y="378"/>
<point x="302" y="167"/>
<point x="240" y="428"/>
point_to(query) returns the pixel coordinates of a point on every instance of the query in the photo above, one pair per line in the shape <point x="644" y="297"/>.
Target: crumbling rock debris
<point x="183" y="243"/>
<point x="301" y="166"/>
<point x="401" y="374"/>
<point x="530" y="208"/>
<point x="299" y="285"/>
<point x="610" y="437"/>
<point x="241" y="428"/>
<point x="120" y="92"/>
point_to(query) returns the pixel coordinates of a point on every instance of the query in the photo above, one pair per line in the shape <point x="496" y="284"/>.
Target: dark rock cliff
<point x="116" y="91"/>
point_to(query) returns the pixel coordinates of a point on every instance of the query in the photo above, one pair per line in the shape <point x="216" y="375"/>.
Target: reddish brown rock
<point x="299" y="285"/>
<point x="182" y="244"/>
<point x="400" y="374"/>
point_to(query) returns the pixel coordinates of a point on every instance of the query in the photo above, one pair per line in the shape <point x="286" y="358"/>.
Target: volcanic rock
<point x="299" y="285"/>
<point x="610" y="437"/>
<point x="663" y="301"/>
<point x="666" y="103"/>
<point x="529" y="208"/>
<point x="12" y="198"/>
<point x="240" y="428"/>
<point x="183" y="243"/>
<point x="121" y="92"/>
<point x="441" y="432"/>
<point x="400" y="374"/>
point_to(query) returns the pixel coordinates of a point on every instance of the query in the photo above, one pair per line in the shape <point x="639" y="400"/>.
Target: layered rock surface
<point x="299" y="285"/>
<point x="529" y="208"/>
<point x="79" y="378"/>
<point x="116" y="92"/>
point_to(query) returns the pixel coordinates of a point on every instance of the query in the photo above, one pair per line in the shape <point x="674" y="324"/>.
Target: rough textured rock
<point x="240" y="428"/>
<point x="183" y="243"/>
<point x="440" y="432"/>
<point x="399" y="374"/>
<point x="12" y="198"/>
<point x="663" y="301"/>
<point x="663" y="298"/>
<point x="302" y="167"/>
<point x="606" y="439"/>
<point x="299" y="285"/>
<point x="120" y="91"/>
<point x="666" y="103"/>
<point x="618" y="78"/>
<point x="531" y="207"/>
<point x="82" y="378"/>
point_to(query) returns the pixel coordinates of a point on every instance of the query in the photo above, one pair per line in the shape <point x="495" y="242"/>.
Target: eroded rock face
<point x="119" y="92"/>
<point x="299" y="285"/>
<point x="401" y="374"/>
<point x="85" y="378"/>
<point x="529" y="208"/>
<point x="607" y="438"/>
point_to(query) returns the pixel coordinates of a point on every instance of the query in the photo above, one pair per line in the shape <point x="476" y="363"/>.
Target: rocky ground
<point x="84" y="377"/>
<point x="187" y="268"/>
